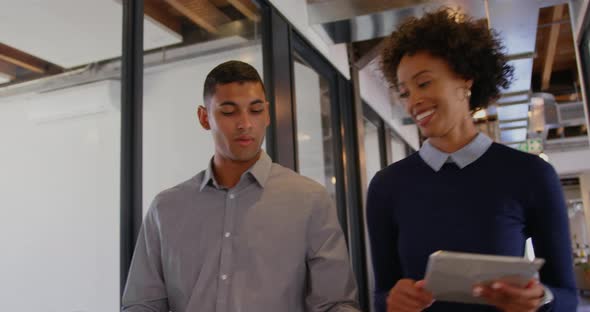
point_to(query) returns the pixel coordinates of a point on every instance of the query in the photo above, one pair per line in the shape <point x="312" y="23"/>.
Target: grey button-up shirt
<point x="462" y="158"/>
<point x="272" y="243"/>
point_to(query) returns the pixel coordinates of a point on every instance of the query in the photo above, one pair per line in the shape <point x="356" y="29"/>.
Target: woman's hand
<point x="408" y="296"/>
<point x="511" y="298"/>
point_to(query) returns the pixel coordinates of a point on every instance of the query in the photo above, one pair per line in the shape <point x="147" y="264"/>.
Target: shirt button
<point x="227" y="234"/>
<point x="224" y="277"/>
<point x="232" y="196"/>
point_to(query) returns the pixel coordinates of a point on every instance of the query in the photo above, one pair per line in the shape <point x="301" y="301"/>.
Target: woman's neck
<point x="455" y="139"/>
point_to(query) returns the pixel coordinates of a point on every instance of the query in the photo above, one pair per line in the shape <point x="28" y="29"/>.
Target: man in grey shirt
<point x="245" y="234"/>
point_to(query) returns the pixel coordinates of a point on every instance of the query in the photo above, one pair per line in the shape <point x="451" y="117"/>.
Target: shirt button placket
<point x="226" y="254"/>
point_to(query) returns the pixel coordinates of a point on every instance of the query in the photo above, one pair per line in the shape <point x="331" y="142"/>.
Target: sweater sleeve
<point x="383" y="240"/>
<point x="548" y="226"/>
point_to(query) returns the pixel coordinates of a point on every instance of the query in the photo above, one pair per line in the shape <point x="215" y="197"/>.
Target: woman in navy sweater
<point x="461" y="192"/>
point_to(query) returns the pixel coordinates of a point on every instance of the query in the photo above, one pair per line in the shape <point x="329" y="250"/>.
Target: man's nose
<point x="244" y="122"/>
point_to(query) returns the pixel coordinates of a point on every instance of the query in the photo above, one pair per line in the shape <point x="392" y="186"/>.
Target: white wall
<point x="59" y="222"/>
<point x="570" y="162"/>
<point x="578" y="226"/>
<point x="372" y="166"/>
<point x="398" y="150"/>
<point x="372" y="154"/>
<point x="310" y="139"/>
<point x="296" y="12"/>
<point x="578" y="11"/>
<point x="575" y="163"/>
<point x="59" y="227"/>
<point x="585" y="190"/>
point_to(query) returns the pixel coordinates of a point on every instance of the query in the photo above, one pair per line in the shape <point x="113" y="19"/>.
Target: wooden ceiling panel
<point x="162" y="13"/>
<point x="201" y="12"/>
<point x="546" y="15"/>
<point x="558" y="12"/>
<point x="564" y="58"/>
<point x="566" y="97"/>
<point x="219" y="3"/>
<point x="554" y="66"/>
<point x="247" y="8"/>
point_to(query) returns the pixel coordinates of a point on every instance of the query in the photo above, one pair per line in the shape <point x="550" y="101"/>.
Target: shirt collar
<point x="209" y="177"/>
<point x="259" y="171"/>
<point x="462" y="158"/>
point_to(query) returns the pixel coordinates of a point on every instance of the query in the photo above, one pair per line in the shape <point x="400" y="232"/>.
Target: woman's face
<point x="435" y="96"/>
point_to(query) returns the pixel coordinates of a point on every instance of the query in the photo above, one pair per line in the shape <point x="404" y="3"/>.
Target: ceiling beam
<point x="521" y="56"/>
<point x="552" y="46"/>
<point x="567" y="97"/>
<point x="29" y="62"/>
<point x="370" y="55"/>
<point x="327" y="11"/>
<point x="158" y="11"/>
<point x="247" y="8"/>
<point x="24" y="60"/>
<point x="201" y="12"/>
<point x="8" y="70"/>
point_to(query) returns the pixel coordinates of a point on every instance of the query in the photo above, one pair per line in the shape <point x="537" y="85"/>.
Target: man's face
<point x="237" y="115"/>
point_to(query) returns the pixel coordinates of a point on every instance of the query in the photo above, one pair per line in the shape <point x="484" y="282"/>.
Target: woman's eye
<point x="423" y="84"/>
<point x="404" y="95"/>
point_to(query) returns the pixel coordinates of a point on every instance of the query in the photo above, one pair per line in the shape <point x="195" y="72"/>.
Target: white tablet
<point x="450" y="276"/>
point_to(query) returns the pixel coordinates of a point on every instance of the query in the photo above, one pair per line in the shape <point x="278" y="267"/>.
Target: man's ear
<point x="267" y="113"/>
<point x="203" y="117"/>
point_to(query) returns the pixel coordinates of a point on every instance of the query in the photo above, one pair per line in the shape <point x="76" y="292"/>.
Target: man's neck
<point x="228" y="172"/>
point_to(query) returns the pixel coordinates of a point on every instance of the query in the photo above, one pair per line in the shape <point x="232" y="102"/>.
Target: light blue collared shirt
<point x="462" y="158"/>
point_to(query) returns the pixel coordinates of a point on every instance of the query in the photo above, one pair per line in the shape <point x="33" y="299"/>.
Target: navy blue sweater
<point x="491" y="207"/>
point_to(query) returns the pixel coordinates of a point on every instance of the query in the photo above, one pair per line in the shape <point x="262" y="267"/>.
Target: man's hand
<point x="408" y="296"/>
<point x="511" y="298"/>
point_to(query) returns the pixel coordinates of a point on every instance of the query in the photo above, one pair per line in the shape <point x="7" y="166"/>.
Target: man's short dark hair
<point x="228" y="72"/>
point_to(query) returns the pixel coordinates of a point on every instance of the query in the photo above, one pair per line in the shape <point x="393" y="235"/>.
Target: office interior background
<point x="98" y="102"/>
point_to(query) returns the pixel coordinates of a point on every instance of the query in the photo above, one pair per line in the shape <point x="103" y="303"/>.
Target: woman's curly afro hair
<point x="471" y="49"/>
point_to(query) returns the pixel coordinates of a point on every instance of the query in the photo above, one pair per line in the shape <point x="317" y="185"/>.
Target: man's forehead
<point x="238" y="85"/>
<point x="238" y="92"/>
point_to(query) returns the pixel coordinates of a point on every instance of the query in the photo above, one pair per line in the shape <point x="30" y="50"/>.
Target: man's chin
<point x="246" y="156"/>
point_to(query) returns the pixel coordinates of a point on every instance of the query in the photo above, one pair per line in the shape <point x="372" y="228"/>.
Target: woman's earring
<point x="468" y="93"/>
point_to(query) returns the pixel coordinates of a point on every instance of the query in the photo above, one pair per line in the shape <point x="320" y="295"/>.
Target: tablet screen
<point x="450" y="276"/>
